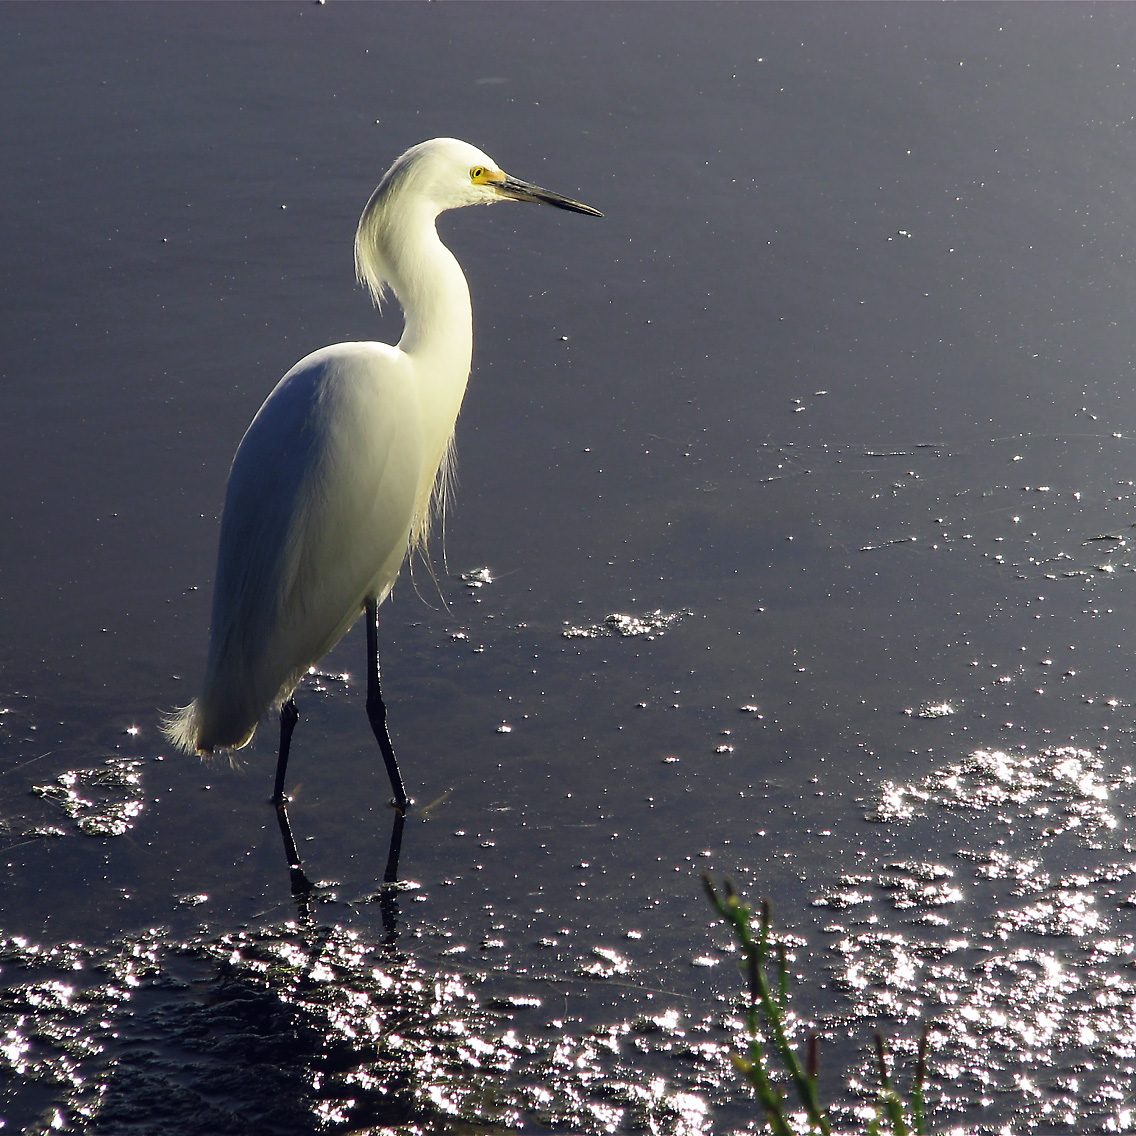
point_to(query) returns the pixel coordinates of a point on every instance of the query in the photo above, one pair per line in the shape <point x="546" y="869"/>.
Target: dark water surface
<point x="842" y="382"/>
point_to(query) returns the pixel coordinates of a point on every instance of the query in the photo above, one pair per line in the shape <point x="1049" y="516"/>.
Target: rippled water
<point x="793" y="543"/>
<point x="1017" y="946"/>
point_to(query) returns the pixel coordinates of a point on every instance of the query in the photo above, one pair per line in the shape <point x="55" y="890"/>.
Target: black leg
<point x="376" y="709"/>
<point x="289" y="716"/>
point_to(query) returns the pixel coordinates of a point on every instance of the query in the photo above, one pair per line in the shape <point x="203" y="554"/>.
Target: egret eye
<point x="478" y="174"/>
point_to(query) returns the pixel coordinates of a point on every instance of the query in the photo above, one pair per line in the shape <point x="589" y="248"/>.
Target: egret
<point x="336" y="479"/>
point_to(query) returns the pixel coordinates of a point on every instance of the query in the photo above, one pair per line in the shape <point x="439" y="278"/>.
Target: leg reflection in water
<point x="388" y="893"/>
<point x="302" y="887"/>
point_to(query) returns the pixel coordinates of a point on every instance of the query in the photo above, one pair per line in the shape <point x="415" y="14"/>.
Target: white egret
<point x="336" y="478"/>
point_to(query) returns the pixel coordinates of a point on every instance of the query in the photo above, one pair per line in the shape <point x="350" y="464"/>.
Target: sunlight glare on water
<point x="1020" y="823"/>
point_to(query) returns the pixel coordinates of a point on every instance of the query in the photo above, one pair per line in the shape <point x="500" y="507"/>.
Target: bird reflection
<point x="388" y="893"/>
<point x="303" y="890"/>
<point x="302" y="887"/>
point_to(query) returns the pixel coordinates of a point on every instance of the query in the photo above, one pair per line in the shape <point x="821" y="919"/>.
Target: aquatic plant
<point x="767" y="1027"/>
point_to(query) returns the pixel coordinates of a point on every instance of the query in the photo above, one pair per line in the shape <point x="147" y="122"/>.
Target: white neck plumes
<point x="397" y="247"/>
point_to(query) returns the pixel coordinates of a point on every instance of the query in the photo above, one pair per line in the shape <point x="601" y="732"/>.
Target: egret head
<point x="443" y="173"/>
<point x="446" y="173"/>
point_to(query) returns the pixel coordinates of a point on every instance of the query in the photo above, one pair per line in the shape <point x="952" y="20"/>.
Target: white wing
<point x="320" y="504"/>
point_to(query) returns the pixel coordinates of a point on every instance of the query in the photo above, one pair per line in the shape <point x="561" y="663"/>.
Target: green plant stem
<point x="918" y="1104"/>
<point x="766" y="1011"/>
<point x="755" y="953"/>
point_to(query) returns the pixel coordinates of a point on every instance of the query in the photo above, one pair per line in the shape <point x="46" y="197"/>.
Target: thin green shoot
<point x="766" y="1014"/>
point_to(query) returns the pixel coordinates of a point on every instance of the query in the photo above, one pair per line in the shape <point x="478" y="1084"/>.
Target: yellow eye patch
<point x="483" y="175"/>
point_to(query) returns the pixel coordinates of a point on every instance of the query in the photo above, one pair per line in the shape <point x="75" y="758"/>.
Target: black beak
<point x="517" y="190"/>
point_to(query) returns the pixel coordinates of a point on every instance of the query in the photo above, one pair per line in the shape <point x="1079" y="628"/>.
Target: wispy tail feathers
<point x="182" y="726"/>
<point x="189" y="730"/>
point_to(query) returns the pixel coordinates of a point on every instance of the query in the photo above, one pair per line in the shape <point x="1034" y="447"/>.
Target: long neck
<point x="431" y="289"/>
<point x="402" y="249"/>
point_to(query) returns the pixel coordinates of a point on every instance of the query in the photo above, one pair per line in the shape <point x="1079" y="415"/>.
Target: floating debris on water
<point x="842" y="900"/>
<point x="321" y="682"/>
<point x="651" y="625"/>
<point x="608" y="964"/>
<point x="477" y="578"/>
<point x="931" y="710"/>
<point x="102" y="801"/>
<point x="192" y="900"/>
<point x="888" y="543"/>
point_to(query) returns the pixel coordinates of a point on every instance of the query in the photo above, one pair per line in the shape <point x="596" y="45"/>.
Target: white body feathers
<point x="333" y="481"/>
